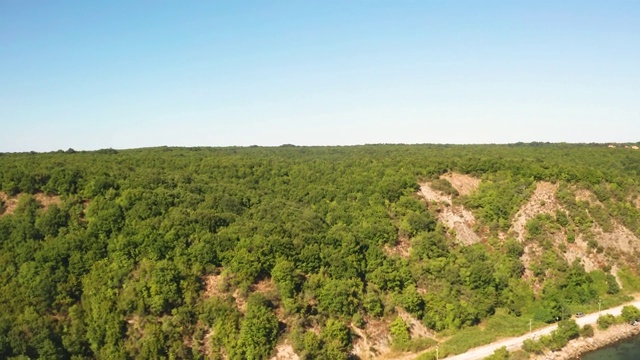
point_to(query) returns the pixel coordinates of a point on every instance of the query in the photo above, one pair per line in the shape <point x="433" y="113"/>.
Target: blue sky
<point x="124" y="74"/>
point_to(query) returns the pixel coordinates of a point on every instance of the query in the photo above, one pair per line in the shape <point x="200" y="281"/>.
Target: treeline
<point x="118" y="267"/>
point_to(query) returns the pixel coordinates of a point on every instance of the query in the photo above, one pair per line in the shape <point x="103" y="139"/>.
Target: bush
<point x="604" y="321"/>
<point x="532" y="346"/>
<point x="500" y="354"/>
<point x="444" y="186"/>
<point x="586" y="331"/>
<point x="555" y="341"/>
<point x="630" y="313"/>
<point x="568" y="329"/>
<point x="358" y="321"/>
<point x="399" y="333"/>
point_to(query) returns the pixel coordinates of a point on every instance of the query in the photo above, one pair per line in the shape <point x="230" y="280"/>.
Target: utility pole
<point x="437" y="352"/>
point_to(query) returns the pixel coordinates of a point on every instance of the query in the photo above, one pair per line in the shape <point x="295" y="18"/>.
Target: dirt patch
<point x="241" y="302"/>
<point x="213" y="285"/>
<point x="454" y="217"/>
<point x="206" y="343"/>
<point x="465" y="184"/>
<point x="542" y="201"/>
<point x="265" y="286"/>
<point x="402" y="247"/>
<point x="416" y="328"/>
<point x="285" y="352"/>
<point x="433" y="196"/>
<point x="620" y="238"/>
<point x="11" y="203"/>
<point x="47" y="200"/>
<point x="373" y="341"/>
<point x="588" y="196"/>
<point x="590" y="259"/>
<point x="134" y="326"/>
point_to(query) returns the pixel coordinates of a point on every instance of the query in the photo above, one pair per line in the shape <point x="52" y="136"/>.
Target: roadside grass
<point x="415" y="345"/>
<point x="608" y="301"/>
<point x="500" y="325"/>
<point x="504" y="325"/>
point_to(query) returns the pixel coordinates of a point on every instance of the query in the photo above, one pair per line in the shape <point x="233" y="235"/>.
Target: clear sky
<point x="122" y="74"/>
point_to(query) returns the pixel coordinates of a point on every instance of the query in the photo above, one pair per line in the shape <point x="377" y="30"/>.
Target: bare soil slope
<point x="454" y="217"/>
<point x="542" y="201"/>
<point x="465" y="184"/>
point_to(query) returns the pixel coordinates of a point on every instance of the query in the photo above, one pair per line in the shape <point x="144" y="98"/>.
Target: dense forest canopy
<point x="226" y="252"/>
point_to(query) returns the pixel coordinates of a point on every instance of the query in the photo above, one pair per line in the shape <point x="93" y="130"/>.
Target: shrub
<point x="399" y="333"/>
<point x="568" y="329"/>
<point x="444" y="186"/>
<point x="532" y="346"/>
<point x="500" y="354"/>
<point x="357" y="321"/>
<point x="604" y="321"/>
<point x="586" y="331"/>
<point x="630" y="313"/>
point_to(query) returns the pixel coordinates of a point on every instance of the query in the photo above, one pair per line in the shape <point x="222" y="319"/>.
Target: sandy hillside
<point x="542" y="201"/>
<point x="454" y="217"/>
<point x="372" y="342"/>
<point x="465" y="184"/>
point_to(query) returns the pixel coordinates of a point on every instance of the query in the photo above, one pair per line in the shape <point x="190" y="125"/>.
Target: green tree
<point x="399" y="333"/>
<point x="259" y="329"/>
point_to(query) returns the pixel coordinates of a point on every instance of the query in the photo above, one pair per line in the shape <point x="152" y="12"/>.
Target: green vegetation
<point x="605" y="321"/>
<point x="196" y="253"/>
<point x="556" y="340"/>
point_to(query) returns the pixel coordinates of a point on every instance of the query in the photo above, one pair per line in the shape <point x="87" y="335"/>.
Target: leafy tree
<point x="337" y="340"/>
<point x="259" y="329"/>
<point x="399" y="333"/>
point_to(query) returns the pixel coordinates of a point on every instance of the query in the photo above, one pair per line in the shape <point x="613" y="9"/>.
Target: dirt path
<point x="515" y="343"/>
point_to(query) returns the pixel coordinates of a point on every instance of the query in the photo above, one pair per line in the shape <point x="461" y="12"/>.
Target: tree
<point x="336" y="337"/>
<point x="399" y="333"/>
<point x="259" y="329"/>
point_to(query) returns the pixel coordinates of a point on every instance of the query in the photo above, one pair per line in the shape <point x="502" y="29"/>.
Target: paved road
<point x="515" y="343"/>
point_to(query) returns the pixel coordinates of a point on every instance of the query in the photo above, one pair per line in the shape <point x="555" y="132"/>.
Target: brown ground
<point x="542" y="201"/>
<point x="373" y="341"/>
<point x="213" y="285"/>
<point x="285" y="352"/>
<point x="265" y="286"/>
<point x="10" y="203"/>
<point x="588" y="196"/>
<point x="402" y="247"/>
<point x="416" y="328"/>
<point x="454" y="217"/>
<point x="465" y="184"/>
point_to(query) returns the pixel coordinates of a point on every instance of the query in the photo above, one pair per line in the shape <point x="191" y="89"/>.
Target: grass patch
<point x="500" y="325"/>
<point x="630" y="281"/>
<point x="416" y="345"/>
<point x="608" y="301"/>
